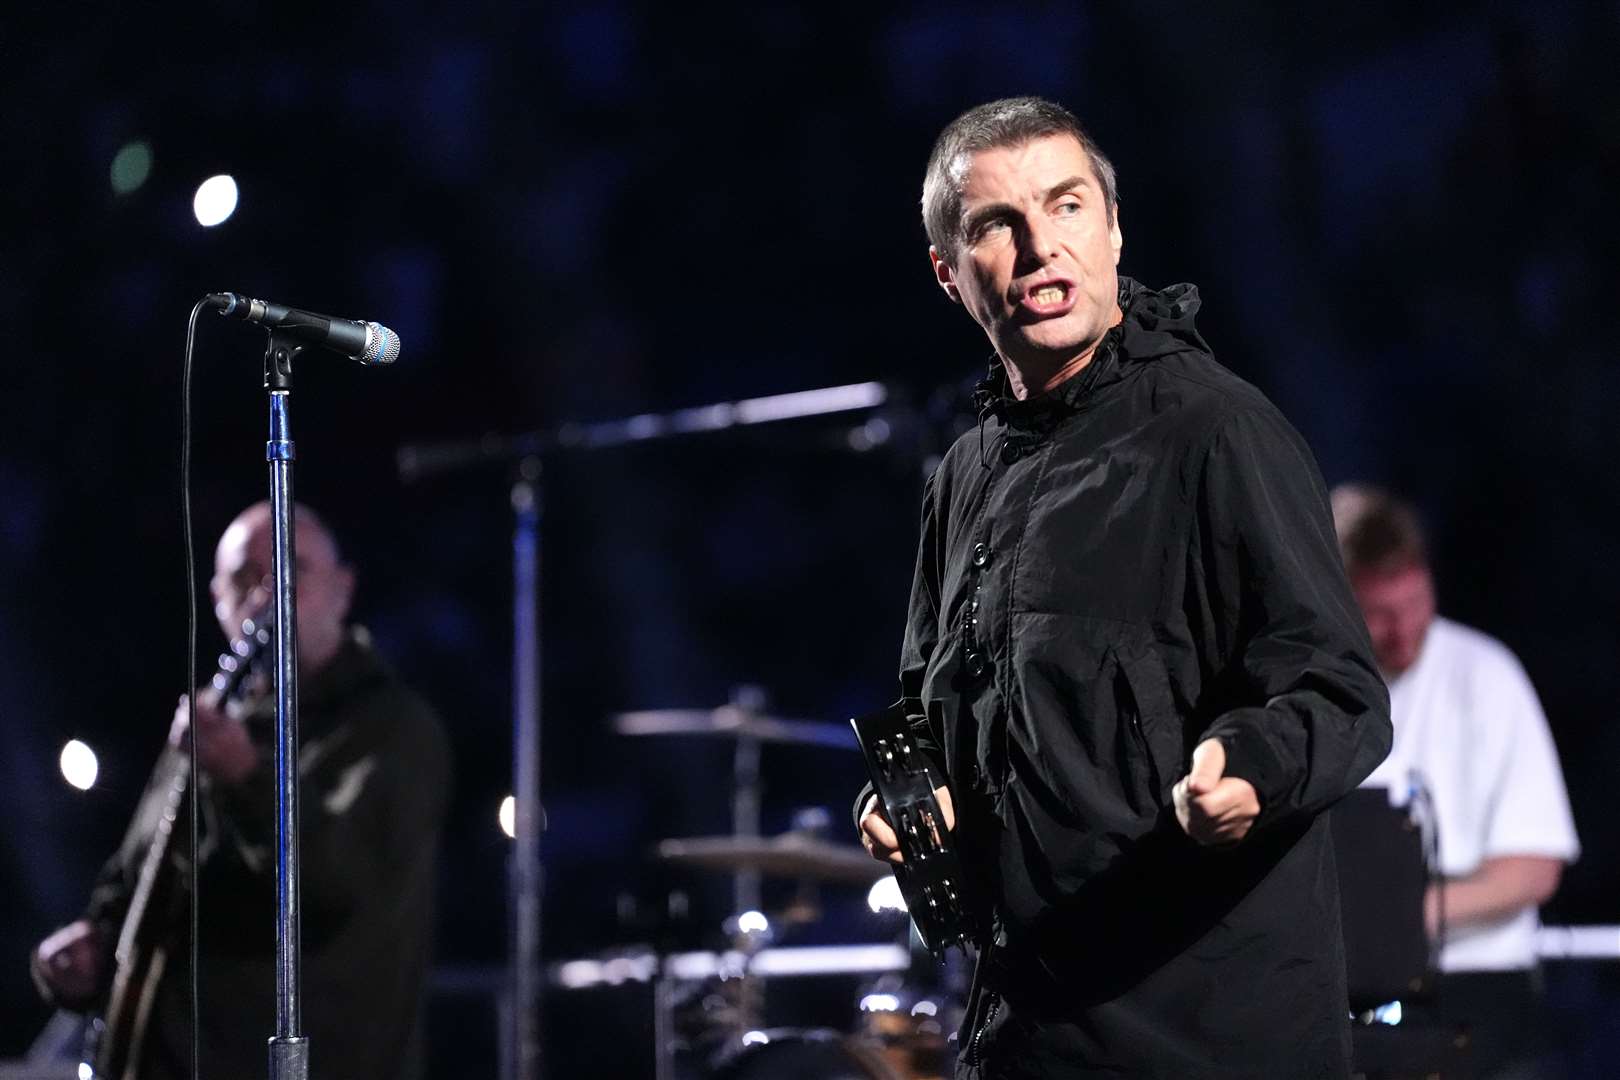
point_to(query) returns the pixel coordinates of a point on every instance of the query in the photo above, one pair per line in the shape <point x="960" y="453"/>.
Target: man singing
<point x="1130" y="649"/>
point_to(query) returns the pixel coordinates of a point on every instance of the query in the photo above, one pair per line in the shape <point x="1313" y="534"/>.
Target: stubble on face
<point x="1036" y="262"/>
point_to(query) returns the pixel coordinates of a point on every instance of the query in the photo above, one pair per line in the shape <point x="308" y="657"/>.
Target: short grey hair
<point x="1007" y="122"/>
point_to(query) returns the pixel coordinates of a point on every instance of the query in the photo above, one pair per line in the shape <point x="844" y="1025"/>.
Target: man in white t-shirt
<point x="1470" y="734"/>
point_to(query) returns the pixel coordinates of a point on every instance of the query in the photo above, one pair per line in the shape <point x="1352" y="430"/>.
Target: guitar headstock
<point x="245" y="655"/>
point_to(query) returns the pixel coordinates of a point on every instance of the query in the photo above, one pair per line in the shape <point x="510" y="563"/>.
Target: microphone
<point x="368" y="342"/>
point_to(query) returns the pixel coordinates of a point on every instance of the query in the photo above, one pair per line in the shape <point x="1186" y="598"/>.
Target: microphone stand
<point x="289" y="1048"/>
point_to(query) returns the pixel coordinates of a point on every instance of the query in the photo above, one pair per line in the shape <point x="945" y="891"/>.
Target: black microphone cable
<point x="191" y="665"/>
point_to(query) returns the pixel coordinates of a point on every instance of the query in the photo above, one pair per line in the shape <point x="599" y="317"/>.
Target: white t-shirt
<point x="1469" y="724"/>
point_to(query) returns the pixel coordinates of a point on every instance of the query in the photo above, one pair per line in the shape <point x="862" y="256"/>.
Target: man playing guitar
<point x="374" y="770"/>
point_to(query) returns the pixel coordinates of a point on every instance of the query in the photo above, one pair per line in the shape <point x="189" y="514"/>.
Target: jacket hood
<point x="1159" y="322"/>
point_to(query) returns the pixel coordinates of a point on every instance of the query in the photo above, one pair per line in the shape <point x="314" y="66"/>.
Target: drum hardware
<point x="790" y="855"/>
<point x="734" y="721"/>
<point x="794" y="1054"/>
<point x="742" y="718"/>
<point x="710" y="1006"/>
<point x="908" y="1026"/>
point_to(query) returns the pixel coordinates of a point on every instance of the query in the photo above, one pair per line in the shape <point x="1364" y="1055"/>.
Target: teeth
<point x="1048" y="294"/>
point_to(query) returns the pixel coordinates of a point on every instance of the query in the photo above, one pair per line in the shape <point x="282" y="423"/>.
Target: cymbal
<point x="791" y="855"/>
<point x="731" y="720"/>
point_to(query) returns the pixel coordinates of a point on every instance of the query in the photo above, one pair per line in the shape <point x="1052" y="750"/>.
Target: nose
<point x="1040" y="238"/>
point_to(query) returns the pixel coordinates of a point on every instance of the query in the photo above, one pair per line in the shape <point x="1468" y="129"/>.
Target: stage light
<point x="79" y="765"/>
<point x="215" y="200"/>
<point x="130" y="167"/>
<point x="755" y="1038"/>
<point x="885" y="896"/>
<point x="508" y="817"/>
<point x="752" y="922"/>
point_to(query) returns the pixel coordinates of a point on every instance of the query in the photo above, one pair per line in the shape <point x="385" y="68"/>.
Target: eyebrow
<point x="1066" y="186"/>
<point x="993" y="209"/>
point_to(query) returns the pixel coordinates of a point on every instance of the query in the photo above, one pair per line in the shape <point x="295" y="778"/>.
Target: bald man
<point x="374" y="768"/>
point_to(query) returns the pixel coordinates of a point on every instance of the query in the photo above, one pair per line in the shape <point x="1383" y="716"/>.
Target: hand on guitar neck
<point x="224" y="749"/>
<point x="68" y="966"/>
<point x="71" y="967"/>
<point x="877" y="835"/>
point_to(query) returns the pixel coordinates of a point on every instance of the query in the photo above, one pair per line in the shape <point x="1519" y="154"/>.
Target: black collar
<point x="1039" y="413"/>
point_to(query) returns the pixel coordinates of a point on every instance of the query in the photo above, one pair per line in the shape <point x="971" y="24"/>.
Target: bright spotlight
<point x="79" y="765"/>
<point x="885" y="895"/>
<point x="130" y="167"/>
<point x="215" y="200"/>
<point x="752" y="922"/>
<point x="508" y="817"/>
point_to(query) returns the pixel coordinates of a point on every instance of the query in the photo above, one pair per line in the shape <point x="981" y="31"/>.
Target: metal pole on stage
<point x="525" y="881"/>
<point x="289" y="1048"/>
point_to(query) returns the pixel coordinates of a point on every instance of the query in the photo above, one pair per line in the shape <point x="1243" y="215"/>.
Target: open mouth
<point x="1048" y="298"/>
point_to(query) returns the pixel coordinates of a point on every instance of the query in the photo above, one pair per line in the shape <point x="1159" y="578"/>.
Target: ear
<point x="944" y="275"/>
<point x="1116" y="239"/>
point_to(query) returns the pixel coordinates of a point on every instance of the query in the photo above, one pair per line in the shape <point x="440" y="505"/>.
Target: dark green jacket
<point x="375" y="771"/>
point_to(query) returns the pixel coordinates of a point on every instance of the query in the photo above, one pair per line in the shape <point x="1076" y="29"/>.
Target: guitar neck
<point x="170" y="785"/>
<point x="114" y="1044"/>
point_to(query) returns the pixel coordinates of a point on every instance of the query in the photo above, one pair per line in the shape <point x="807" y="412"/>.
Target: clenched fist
<point x="1214" y="808"/>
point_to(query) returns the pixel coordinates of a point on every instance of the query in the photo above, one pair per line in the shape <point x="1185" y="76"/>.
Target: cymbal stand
<point x="521" y="1055"/>
<point x="746" y="794"/>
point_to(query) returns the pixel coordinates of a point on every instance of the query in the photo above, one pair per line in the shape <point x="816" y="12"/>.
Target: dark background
<point x="1400" y="217"/>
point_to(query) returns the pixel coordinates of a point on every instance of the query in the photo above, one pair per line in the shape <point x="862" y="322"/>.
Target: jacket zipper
<point x="976" y="1047"/>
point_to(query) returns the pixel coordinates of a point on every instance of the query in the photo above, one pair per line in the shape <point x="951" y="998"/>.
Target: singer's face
<point x="1035" y="265"/>
<point x="242" y="583"/>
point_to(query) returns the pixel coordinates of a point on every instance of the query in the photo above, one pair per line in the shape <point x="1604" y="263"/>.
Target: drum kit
<point x="709" y="1006"/>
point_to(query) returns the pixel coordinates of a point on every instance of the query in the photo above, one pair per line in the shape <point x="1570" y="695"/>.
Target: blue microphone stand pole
<point x="289" y="1048"/>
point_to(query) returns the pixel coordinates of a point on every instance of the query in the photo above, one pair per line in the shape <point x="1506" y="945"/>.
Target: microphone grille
<point x="382" y="345"/>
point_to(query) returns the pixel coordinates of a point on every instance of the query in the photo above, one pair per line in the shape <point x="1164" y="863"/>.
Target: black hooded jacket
<point x="1110" y="573"/>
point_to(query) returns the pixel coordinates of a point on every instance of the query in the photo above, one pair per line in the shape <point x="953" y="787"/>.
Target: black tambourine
<point x="930" y="878"/>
